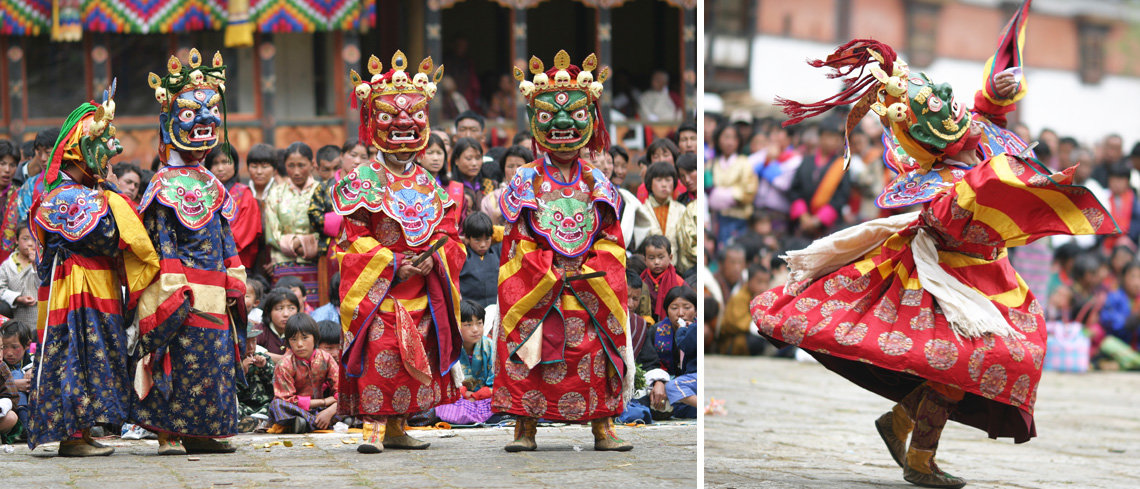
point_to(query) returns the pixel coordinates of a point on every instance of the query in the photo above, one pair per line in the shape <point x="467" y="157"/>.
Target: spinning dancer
<point x="924" y="308"/>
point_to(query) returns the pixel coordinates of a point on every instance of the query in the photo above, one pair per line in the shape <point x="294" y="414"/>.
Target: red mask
<point x="401" y="122"/>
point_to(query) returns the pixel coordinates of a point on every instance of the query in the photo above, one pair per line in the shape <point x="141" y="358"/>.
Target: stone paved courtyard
<point x="798" y="425"/>
<point x="663" y="456"/>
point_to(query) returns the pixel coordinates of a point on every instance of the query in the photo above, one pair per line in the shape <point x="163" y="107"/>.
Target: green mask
<point x="97" y="150"/>
<point x="561" y="121"/>
<point x="941" y="120"/>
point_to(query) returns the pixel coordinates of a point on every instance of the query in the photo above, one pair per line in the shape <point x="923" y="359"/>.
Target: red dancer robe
<point x="874" y="321"/>
<point x="562" y="349"/>
<point x="402" y="337"/>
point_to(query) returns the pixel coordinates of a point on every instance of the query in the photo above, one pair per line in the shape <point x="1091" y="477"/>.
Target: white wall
<point x="1056" y="99"/>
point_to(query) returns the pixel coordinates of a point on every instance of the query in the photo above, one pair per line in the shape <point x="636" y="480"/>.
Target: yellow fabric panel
<point x="954" y="259"/>
<point x="453" y="284"/>
<point x="209" y="298"/>
<point x="1060" y="203"/>
<point x="996" y="219"/>
<point x="139" y="259"/>
<point x="237" y="274"/>
<point x="417" y="304"/>
<point x="1013" y="297"/>
<point x="102" y="284"/>
<point x="515" y="313"/>
<point x="160" y="290"/>
<point x="376" y="265"/>
<point x="603" y="290"/>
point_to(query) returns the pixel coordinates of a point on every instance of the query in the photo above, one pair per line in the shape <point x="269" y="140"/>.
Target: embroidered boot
<point x="170" y="445"/>
<point x="605" y="439"/>
<point x="895" y="425"/>
<point x="929" y="419"/>
<point x="373" y="440"/>
<point x="525" y="430"/>
<point x="207" y="445"/>
<point x="397" y="438"/>
<point x="84" y="446"/>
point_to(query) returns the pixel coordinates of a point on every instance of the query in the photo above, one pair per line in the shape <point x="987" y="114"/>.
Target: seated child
<point x="479" y="277"/>
<point x="280" y="305"/>
<point x="8" y="399"/>
<point x="673" y="383"/>
<point x="19" y="282"/>
<point x="254" y="293"/>
<point x="294" y="284"/>
<point x="254" y="397"/>
<point x="330" y="311"/>
<point x="660" y="276"/>
<point x="735" y="336"/>
<point x="477" y="358"/>
<point x="305" y="382"/>
<point x="329" y="337"/>
<point x="16" y="337"/>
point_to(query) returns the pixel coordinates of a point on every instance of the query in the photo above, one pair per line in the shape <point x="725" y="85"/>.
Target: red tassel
<point x="600" y="141"/>
<point x="844" y="61"/>
<point x="362" y="130"/>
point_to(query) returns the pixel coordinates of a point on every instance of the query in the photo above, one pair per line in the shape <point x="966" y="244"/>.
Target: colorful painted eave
<point x="67" y="19"/>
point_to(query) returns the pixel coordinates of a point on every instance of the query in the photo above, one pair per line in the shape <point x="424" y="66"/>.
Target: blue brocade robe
<point x="189" y="362"/>
<point x="93" y="245"/>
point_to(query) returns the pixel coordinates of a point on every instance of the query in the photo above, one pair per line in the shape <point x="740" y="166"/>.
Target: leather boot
<point x="895" y="425"/>
<point x="86" y="446"/>
<point x="930" y="418"/>
<point x="605" y="439"/>
<point x="170" y="445"/>
<point x="373" y="440"/>
<point x="525" y="430"/>
<point x="398" y="439"/>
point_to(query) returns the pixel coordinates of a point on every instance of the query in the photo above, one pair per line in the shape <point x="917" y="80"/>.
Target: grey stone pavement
<point x="663" y="456"/>
<point x="798" y="425"/>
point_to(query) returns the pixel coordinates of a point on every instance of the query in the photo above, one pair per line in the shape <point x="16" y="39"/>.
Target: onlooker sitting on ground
<point x="477" y="358"/>
<point x="660" y="275"/>
<point x="16" y="337"/>
<point x="672" y="386"/>
<point x="280" y="305"/>
<point x="304" y="382"/>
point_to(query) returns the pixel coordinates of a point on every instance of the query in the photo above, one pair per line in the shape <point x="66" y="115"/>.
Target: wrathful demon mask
<point x="394" y="111"/>
<point x="193" y="103"/>
<point x="562" y="103"/>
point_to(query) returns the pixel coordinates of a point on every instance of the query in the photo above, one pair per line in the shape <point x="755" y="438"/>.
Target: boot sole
<point x="908" y="476"/>
<point x="168" y="451"/>
<point x="368" y="448"/>
<point x="616" y="449"/>
<point x="407" y="447"/>
<point x="69" y="454"/>
<point x="516" y="448"/>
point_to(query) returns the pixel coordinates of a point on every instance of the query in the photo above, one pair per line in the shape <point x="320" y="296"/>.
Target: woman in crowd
<point x="290" y="235"/>
<point x="734" y="184"/>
